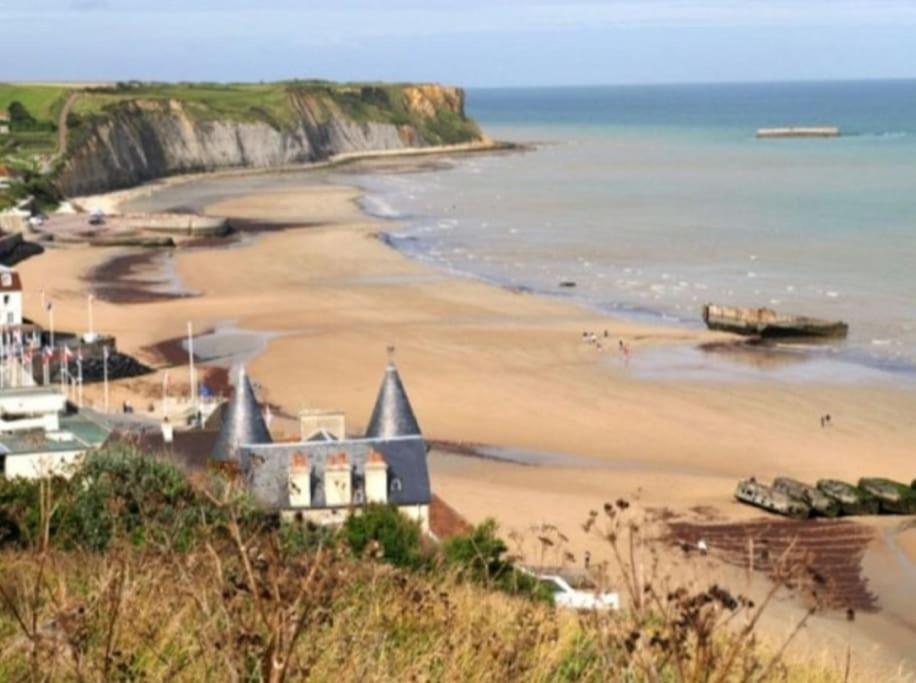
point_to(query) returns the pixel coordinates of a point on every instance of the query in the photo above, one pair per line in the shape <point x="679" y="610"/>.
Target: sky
<point x="470" y="43"/>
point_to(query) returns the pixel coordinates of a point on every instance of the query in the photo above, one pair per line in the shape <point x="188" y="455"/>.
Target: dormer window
<point x="6" y="279"/>
<point x="396" y="485"/>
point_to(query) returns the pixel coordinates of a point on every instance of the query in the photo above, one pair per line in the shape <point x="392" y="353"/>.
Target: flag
<point x="68" y="354"/>
<point x="49" y="306"/>
<point x="46" y="355"/>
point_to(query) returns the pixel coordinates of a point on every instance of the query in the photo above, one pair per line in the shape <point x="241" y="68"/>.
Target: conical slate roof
<point x="392" y="415"/>
<point x="242" y="422"/>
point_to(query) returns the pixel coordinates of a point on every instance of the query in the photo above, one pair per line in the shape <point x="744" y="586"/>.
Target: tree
<point x="397" y="536"/>
<point x="20" y="118"/>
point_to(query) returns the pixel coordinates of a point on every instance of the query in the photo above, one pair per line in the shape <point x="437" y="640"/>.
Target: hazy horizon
<point x="501" y="43"/>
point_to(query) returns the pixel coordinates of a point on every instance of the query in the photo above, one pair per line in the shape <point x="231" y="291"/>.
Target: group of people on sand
<point x="826" y="420"/>
<point x="596" y="340"/>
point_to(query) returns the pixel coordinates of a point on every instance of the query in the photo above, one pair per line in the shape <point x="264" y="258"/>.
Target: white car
<point x="567" y="597"/>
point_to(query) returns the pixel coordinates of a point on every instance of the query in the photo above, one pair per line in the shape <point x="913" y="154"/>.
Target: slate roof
<point x="392" y="416"/>
<point x="242" y="422"/>
<point x="267" y="468"/>
<point x="189" y="450"/>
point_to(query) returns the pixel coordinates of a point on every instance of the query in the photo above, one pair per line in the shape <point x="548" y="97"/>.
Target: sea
<point x="657" y="199"/>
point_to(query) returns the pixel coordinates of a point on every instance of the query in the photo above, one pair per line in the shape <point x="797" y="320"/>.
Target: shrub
<point x="117" y="493"/>
<point x="33" y="183"/>
<point x="398" y="538"/>
<point x="480" y="556"/>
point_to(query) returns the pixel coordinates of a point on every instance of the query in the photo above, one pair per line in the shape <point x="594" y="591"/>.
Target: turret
<point x="242" y="423"/>
<point x="392" y="416"/>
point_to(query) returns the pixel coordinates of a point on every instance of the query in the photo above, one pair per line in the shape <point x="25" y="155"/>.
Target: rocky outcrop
<point x="142" y="139"/>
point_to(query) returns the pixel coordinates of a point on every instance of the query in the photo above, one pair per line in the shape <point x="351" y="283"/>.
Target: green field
<point x="273" y="103"/>
<point x="42" y="101"/>
<point x="281" y="105"/>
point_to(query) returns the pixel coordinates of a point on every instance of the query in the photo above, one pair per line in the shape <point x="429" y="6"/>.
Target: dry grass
<point x="240" y="607"/>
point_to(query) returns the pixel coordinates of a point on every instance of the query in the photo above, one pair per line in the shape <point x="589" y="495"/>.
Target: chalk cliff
<point x="138" y="137"/>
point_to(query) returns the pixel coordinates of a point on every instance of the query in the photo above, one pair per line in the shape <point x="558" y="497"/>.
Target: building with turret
<point x="324" y="476"/>
<point x="243" y="423"/>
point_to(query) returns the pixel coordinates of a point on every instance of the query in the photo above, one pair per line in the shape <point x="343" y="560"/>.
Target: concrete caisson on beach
<point x="771" y="499"/>
<point x="892" y="496"/>
<point x="799" y="132"/>
<point x="820" y="503"/>
<point x="765" y="322"/>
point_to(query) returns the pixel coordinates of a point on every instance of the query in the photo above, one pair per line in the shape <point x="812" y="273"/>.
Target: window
<point x="6" y="299"/>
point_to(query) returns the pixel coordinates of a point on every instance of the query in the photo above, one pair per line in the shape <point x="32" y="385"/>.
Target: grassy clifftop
<point x="93" y="138"/>
<point x="437" y="112"/>
<point x="432" y="109"/>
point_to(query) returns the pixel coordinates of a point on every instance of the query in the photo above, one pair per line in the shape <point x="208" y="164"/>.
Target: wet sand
<point x="487" y="365"/>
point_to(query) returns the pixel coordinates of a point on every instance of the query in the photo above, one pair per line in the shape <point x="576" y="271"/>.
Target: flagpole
<point x="91" y="326"/>
<point x="2" y="356"/>
<point x="51" y="322"/>
<point x="60" y="368"/>
<point x="79" y="379"/>
<point x="105" y="374"/>
<point x="191" y="369"/>
<point x="165" y="394"/>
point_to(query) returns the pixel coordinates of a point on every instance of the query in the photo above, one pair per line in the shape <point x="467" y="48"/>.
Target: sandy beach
<point x="488" y="365"/>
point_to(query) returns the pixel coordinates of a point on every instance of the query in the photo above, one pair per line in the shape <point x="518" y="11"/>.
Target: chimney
<point x="300" y="481"/>
<point x="338" y="481"/>
<point x="376" y="478"/>
<point x="168" y="432"/>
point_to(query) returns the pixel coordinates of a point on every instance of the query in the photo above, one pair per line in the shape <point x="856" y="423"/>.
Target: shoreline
<point x="741" y="352"/>
<point x="110" y="201"/>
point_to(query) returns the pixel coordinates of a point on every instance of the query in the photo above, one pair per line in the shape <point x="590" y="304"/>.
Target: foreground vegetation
<point x="130" y="572"/>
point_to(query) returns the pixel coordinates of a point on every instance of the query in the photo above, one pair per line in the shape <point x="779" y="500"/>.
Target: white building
<point x="38" y="438"/>
<point x="11" y="301"/>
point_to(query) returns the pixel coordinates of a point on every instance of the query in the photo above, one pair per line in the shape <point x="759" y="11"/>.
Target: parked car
<point x="96" y="217"/>
<point x="567" y="597"/>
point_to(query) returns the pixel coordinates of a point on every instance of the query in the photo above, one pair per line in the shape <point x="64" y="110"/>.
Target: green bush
<point x="398" y="538"/>
<point x="480" y="556"/>
<point x="35" y="184"/>
<point x="116" y="494"/>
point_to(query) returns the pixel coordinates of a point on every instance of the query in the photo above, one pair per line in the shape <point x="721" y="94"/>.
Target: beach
<point x="487" y="365"/>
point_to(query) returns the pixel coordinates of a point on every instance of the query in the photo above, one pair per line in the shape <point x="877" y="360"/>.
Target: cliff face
<point x="139" y="139"/>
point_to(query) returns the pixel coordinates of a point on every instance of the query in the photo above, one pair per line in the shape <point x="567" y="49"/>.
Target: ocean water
<point x="655" y="200"/>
